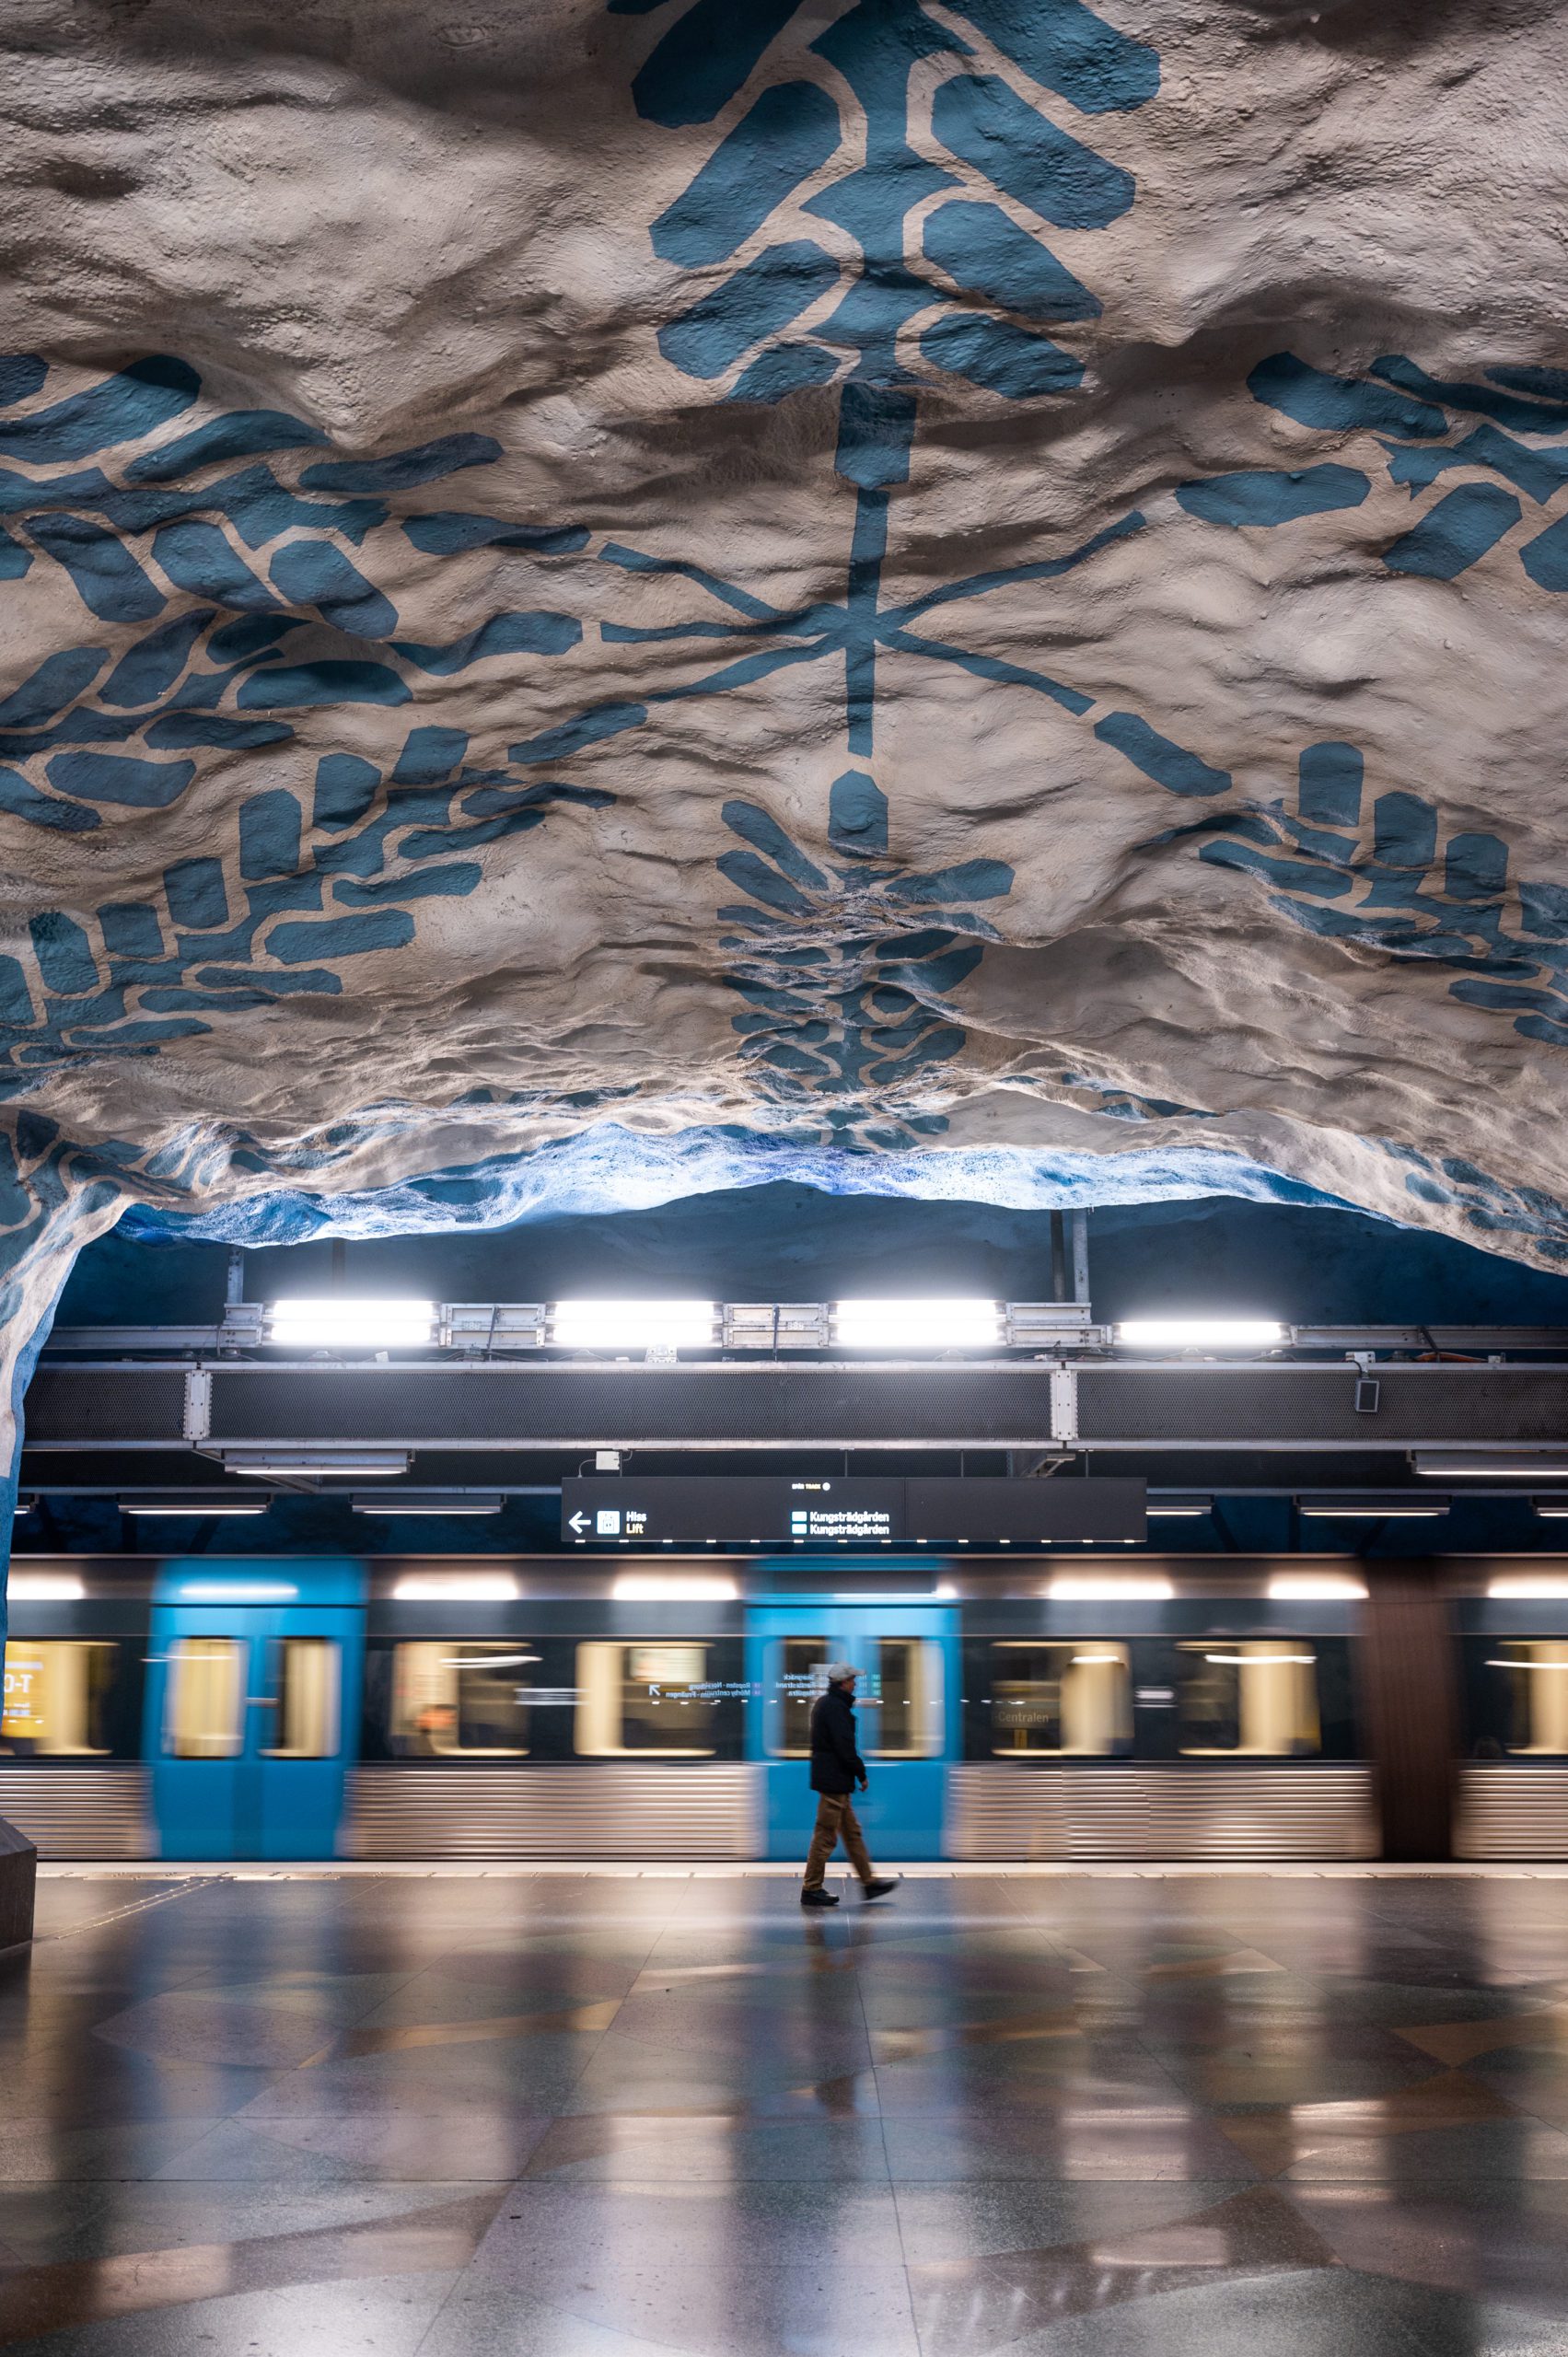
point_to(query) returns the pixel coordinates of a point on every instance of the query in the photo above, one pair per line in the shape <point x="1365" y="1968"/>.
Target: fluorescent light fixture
<point x="1090" y="1587"/>
<point x="1495" y="1662"/>
<point x="1476" y="1465"/>
<point x="1315" y="1588"/>
<point x="1552" y="1509"/>
<point x="183" y="1503"/>
<point x="238" y="1591"/>
<point x="422" y="1501"/>
<point x="662" y="1587"/>
<point x="1184" y="1509"/>
<point x="632" y="1325"/>
<point x="340" y="1323"/>
<point x="46" y="1587"/>
<point x="1391" y="1505"/>
<point x="456" y="1588"/>
<point x="949" y="1324"/>
<point x="1087" y="1661"/>
<point x="1200" y="1333"/>
<point x="1529" y="1588"/>
<point x="273" y="1462"/>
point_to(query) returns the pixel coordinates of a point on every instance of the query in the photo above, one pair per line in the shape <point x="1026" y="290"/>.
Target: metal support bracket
<point x="1064" y="1403"/>
<point x="196" y="1421"/>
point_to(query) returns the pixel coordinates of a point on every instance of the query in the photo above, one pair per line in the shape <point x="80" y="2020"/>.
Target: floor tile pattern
<point x="668" y="2116"/>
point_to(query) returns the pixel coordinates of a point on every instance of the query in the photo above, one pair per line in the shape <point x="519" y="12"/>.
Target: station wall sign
<point x="779" y="1510"/>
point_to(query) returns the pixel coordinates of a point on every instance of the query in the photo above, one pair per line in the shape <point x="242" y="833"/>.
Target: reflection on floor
<point x="524" y="2116"/>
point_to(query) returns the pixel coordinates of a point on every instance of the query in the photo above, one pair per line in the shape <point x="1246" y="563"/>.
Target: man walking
<point x="836" y="1769"/>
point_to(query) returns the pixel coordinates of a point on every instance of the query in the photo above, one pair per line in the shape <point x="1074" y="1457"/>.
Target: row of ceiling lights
<point x="952" y="1324"/>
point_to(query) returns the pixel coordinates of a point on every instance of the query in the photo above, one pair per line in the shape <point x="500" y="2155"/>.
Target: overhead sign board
<point x="772" y="1510"/>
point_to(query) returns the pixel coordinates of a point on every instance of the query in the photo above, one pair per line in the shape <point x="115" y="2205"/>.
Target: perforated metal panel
<point x="744" y="1405"/>
<point x="1315" y="1406"/>
<point x="1134" y="1812"/>
<point x="1512" y="1812"/>
<point x="84" y="1407"/>
<point x="585" y="1812"/>
<point x="79" y="1812"/>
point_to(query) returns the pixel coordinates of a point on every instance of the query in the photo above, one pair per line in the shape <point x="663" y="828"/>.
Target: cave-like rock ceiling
<point x="963" y="597"/>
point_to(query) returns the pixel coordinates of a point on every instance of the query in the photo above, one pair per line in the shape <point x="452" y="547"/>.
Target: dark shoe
<point x="819" y="1898"/>
<point x="879" y="1888"/>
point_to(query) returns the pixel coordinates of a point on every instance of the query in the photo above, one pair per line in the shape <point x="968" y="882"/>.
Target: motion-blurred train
<point x="1209" y="1709"/>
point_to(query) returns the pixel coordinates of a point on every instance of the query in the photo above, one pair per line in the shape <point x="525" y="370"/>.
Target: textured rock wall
<point x="950" y="598"/>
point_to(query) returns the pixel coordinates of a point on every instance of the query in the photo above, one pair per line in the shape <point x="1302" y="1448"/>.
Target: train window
<point x="801" y="1674"/>
<point x="1253" y="1696"/>
<point x="647" y="1699"/>
<point x="1073" y="1699"/>
<point x="905" y="1701"/>
<point x="57" y="1700"/>
<point x="462" y="1699"/>
<point x="204" y="1716"/>
<point x="1533" y="1672"/>
<point x="306" y="1682"/>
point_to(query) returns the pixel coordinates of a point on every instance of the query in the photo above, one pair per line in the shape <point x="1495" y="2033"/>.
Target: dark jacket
<point x="836" y="1765"/>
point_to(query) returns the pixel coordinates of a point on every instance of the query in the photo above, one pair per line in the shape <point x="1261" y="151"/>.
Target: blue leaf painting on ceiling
<point x="1389" y="880"/>
<point x="938" y="272"/>
<point x="300" y="892"/>
<point x="846" y="970"/>
<point x="257" y="608"/>
<point x="1454" y="446"/>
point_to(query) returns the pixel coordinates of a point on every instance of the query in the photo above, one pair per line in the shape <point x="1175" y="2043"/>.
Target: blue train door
<point x="907" y="1703"/>
<point x="252" y="1706"/>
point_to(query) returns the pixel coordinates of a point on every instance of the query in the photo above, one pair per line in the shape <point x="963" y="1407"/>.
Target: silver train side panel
<point x="1512" y="1812"/>
<point x="80" y="1813"/>
<point x="550" y="1812"/>
<point x="1039" y="1814"/>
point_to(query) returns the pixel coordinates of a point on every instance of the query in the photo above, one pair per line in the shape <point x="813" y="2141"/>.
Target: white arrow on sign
<point x="578" y="1522"/>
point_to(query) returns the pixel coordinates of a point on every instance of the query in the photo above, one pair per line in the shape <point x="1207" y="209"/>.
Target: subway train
<point x="1208" y="1709"/>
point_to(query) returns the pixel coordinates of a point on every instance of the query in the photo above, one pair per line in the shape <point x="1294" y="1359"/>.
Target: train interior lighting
<point x="1094" y="1588"/>
<point x="683" y="1587"/>
<point x="46" y="1587"/>
<point x="239" y="1591"/>
<point x="1529" y="1587"/>
<point x="1315" y="1588"/>
<point x="455" y="1587"/>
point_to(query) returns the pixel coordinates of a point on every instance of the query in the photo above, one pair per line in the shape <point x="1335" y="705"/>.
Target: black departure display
<point x="773" y="1510"/>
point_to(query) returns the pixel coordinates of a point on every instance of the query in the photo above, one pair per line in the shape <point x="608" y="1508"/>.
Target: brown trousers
<point x="836" y="1819"/>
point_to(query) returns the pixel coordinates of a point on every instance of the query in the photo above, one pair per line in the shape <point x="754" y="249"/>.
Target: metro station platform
<point x="638" y="2113"/>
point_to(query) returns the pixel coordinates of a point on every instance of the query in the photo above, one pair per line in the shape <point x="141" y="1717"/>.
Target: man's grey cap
<point x="839" y="1670"/>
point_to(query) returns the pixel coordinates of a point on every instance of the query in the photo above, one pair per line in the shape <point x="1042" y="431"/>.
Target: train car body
<point x="285" y="1708"/>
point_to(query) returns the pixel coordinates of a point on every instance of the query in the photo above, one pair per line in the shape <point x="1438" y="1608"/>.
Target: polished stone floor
<point x="553" y="2116"/>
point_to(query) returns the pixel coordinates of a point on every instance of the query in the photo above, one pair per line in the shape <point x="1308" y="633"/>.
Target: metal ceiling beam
<point x="481" y="1407"/>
